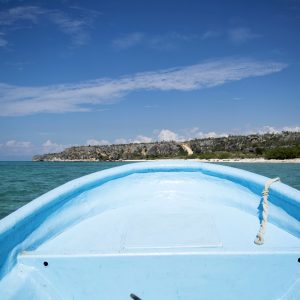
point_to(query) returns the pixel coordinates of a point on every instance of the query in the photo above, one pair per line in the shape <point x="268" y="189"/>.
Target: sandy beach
<point x="253" y="160"/>
<point x="213" y="160"/>
<point x="234" y="160"/>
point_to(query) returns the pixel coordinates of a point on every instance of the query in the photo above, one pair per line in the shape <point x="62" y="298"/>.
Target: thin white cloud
<point x="196" y="133"/>
<point x="211" y="134"/>
<point x="121" y="141"/>
<point x="238" y="35"/>
<point x="18" y="65"/>
<point x="74" y="24"/>
<point x="268" y="129"/>
<point x="20" y="13"/>
<point x="17" y="144"/>
<point x="128" y="41"/>
<point x="168" y="135"/>
<point x="13" y="148"/>
<point x="49" y="146"/>
<point x="3" y="41"/>
<point x="137" y="140"/>
<point x="210" y="34"/>
<point x="168" y="41"/>
<point x="272" y="129"/>
<point x="74" y="27"/>
<point x="165" y="41"/>
<point x="142" y="139"/>
<point x="82" y="97"/>
<point x="241" y="35"/>
<point x="94" y="142"/>
<point x="291" y="128"/>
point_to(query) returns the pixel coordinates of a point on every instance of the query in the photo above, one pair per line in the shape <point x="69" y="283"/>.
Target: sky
<point x="103" y="72"/>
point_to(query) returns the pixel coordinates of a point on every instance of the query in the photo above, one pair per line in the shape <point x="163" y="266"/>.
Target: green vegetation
<point x="221" y="155"/>
<point x="283" y="153"/>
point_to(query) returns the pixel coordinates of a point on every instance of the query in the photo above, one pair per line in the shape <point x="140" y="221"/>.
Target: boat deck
<point x="166" y="212"/>
<point x="161" y="235"/>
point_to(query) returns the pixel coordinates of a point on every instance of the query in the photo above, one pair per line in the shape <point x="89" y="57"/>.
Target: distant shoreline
<point x="255" y="148"/>
<point x="253" y="160"/>
<point x="213" y="160"/>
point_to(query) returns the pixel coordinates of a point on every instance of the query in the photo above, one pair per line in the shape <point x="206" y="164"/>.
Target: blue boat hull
<point x="156" y="230"/>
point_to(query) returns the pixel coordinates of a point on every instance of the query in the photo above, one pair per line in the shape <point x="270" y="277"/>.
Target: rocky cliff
<point x="223" y="147"/>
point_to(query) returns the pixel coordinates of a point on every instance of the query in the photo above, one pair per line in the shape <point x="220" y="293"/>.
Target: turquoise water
<point x="21" y="182"/>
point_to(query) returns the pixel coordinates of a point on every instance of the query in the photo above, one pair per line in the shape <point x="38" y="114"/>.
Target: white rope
<point x="262" y="229"/>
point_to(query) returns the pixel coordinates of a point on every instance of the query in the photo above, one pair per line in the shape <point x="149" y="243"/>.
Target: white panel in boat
<point x="171" y="230"/>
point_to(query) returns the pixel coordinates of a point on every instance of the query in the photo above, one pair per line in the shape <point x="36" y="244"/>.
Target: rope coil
<point x="262" y="229"/>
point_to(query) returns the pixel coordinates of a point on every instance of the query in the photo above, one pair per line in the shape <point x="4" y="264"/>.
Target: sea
<point x="23" y="181"/>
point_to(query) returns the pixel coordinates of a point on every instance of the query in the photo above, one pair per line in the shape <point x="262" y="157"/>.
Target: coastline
<point x="283" y="147"/>
<point x="213" y="160"/>
<point x="253" y="160"/>
<point x="235" y="160"/>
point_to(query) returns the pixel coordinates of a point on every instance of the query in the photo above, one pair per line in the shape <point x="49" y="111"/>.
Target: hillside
<point x="277" y="146"/>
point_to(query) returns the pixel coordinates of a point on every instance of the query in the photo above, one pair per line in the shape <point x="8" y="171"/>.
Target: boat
<point x="155" y="230"/>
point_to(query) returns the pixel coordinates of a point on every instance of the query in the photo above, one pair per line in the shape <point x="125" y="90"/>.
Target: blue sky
<point x="98" y="72"/>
